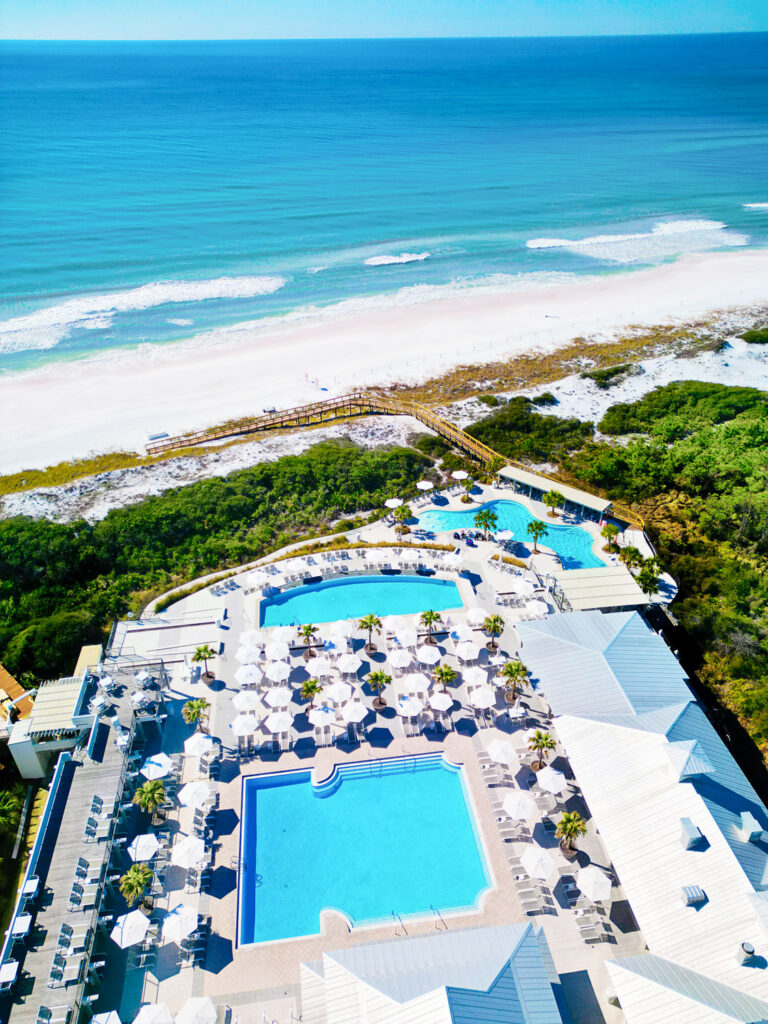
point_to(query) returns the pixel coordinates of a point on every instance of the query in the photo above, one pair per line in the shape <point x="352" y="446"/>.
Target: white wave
<point x="755" y="206"/>
<point x="316" y="270"/>
<point x="45" y="328"/>
<point x="180" y="322"/>
<point x="666" y="238"/>
<point x="403" y="257"/>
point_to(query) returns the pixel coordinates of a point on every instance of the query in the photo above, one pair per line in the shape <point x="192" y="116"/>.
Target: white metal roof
<point x="612" y="586"/>
<point x="55" y="706"/>
<point x="543" y="483"/>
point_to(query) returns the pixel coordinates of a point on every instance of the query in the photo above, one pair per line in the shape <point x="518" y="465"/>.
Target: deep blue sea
<point x="150" y="192"/>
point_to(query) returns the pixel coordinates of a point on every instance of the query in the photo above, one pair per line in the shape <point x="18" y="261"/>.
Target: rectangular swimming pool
<point x="385" y="836"/>
<point x="354" y="596"/>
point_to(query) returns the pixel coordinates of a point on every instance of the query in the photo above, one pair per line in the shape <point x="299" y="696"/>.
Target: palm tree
<point x="570" y="828"/>
<point x="537" y="530"/>
<point x="377" y="681"/>
<point x="195" y="712"/>
<point x="306" y="633"/>
<point x="371" y="623"/>
<point x="541" y="742"/>
<point x="553" y="499"/>
<point x="135" y="882"/>
<point x="10" y="808"/>
<point x="493" y="626"/>
<point x="648" y="577"/>
<point x="310" y="689"/>
<point x="203" y="654"/>
<point x="469" y="486"/>
<point x="609" y="533"/>
<point x="429" y="620"/>
<point x="631" y="557"/>
<point x="513" y="673"/>
<point x="485" y="520"/>
<point x="401" y="516"/>
<point x="150" y="796"/>
<point x="444" y="675"/>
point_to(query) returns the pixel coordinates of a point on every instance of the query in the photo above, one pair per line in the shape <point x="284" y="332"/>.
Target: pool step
<point x="377" y="770"/>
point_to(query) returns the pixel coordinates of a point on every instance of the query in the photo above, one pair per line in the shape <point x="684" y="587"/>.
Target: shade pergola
<point x="354" y="711"/>
<point x="247" y="700"/>
<point x="278" y="697"/>
<point x="179" y="923"/>
<point x="537" y="863"/>
<point x="519" y="805"/>
<point x="427" y="655"/>
<point x="156" y="767"/>
<point x="195" y="794"/>
<point x="188" y="851"/>
<point x="482" y="697"/>
<point x="551" y="780"/>
<point x="318" y="667"/>
<point x="130" y="929"/>
<point x="199" y="743"/>
<point x="153" y="1013"/>
<point x="248" y="675"/>
<point x="248" y="654"/>
<point x="277" y="650"/>
<point x="337" y="692"/>
<point x="467" y="651"/>
<point x="197" y="1010"/>
<point x="594" y="883"/>
<point x="409" y="707"/>
<point x="279" y="721"/>
<point x="277" y="672"/>
<point x="244" y="725"/>
<point x="502" y="752"/>
<point x="393" y="503"/>
<point x="441" y="701"/>
<point x="144" y="847"/>
<point x="322" y="715"/>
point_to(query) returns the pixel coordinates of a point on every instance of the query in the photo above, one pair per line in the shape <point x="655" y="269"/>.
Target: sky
<point x="269" y="19"/>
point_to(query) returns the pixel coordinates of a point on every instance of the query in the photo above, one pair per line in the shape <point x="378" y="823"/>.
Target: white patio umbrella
<point x="594" y="883"/>
<point x="497" y="660"/>
<point x="482" y="697"/>
<point x="400" y="658"/>
<point x="129" y="929"/>
<point x="195" y="794"/>
<point x="279" y="721"/>
<point x="276" y="579"/>
<point x="248" y="654"/>
<point x="153" y="1013"/>
<point x="519" y="805"/>
<point x="537" y="607"/>
<point x="110" y="1017"/>
<point x="337" y="692"/>
<point x="198" y="1010"/>
<point x="409" y="707"/>
<point x="247" y="700"/>
<point x="393" y="502"/>
<point x="258" y="579"/>
<point x="551" y="780"/>
<point x="376" y="557"/>
<point x="278" y="697"/>
<point x="521" y="586"/>
<point x="179" y="923"/>
<point x="452" y="561"/>
<point x="425" y="485"/>
<point x="467" y="651"/>
<point x="465" y="633"/>
<point x="244" y="725"/>
<point x="441" y="701"/>
<point x="282" y="634"/>
<point x="523" y="738"/>
<point x="408" y="637"/>
<point x="144" y="847"/>
<point x="277" y="671"/>
<point x="459" y="474"/>
<point x="477" y="616"/>
<point x="248" y="675"/>
<point x="142" y="677"/>
<point x="188" y="851"/>
<point x="322" y="715"/>
<point x="252" y="636"/>
<point x="537" y="862"/>
<point x="517" y="711"/>
<point x="199" y="743"/>
<point x="504" y="535"/>
<point x="349" y="663"/>
<point x="319" y="667"/>
<point x="427" y="655"/>
<point x="156" y="767"/>
<point x="277" y="650"/>
<point x="354" y="711"/>
<point x="415" y="682"/>
<point x="475" y="676"/>
<point x="502" y="752"/>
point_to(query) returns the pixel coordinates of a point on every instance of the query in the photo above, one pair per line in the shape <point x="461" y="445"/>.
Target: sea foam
<point x="755" y="206"/>
<point x="45" y="328"/>
<point x="666" y="238"/>
<point x="403" y="257"/>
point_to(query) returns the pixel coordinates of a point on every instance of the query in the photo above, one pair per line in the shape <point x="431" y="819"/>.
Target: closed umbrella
<point x="594" y="883"/>
<point x="428" y="655"/>
<point x="475" y="676"/>
<point x="278" y="696"/>
<point x="247" y="654"/>
<point x="156" y="767"/>
<point x="179" y="923"/>
<point x="279" y="721"/>
<point x="277" y="672"/>
<point x="247" y="700"/>
<point x="188" y="851"/>
<point x="502" y="752"/>
<point x="393" y="502"/>
<point x="441" y="701"/>
<point x="537" y="862"/>
<point x="400" y="658"/>
<point x="199" y="743"/>
<point x="153" y="1013"/>
<point x="198" y="1010"/>
<point x="537" y="607"/>
<point x="195" y="794"/>
<point x="322" y="715"/>
<point x="459" y="474"/>
<point x="277" y="650"/>
<point x="354" y="711"/>
<point x="349" y="663"/>
<point x="244" y="725"/>
<point x="482" y="697"/>
<point x="467" y="651"/>
<point x="319" y="667"/>
<point x="144" y="847"/>
<point x="337" y="692"/>
<point x="425" y="485"/>
<point x="551" y="780"/>
<point x="409" y="707"/>
<point x="519" y="805"/>
<point x="248" y="675"/>
<point x="130" y="929"/>
<point x="477" y="616"/>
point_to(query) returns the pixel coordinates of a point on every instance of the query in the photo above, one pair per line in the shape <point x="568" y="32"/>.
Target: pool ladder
<point x="399" y="924"/>
<point x="440" y="924"/>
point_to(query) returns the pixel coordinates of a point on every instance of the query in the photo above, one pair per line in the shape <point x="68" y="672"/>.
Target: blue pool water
<point x="356" y="596"/>
<point x="571" y="544"/>
<point x="372" y="840"/>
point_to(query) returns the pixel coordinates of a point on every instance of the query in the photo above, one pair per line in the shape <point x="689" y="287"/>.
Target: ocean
<point x="154" y="192"/>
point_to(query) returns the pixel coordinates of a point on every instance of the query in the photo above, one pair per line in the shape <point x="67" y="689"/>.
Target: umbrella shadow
<point x="379" y="737"/>
<point x="223" y="882"/>
<point x="622" y="917"/>
<point x="167" y="962"/>
<point x="219" y="953"/>
<point x="226" y="822"/>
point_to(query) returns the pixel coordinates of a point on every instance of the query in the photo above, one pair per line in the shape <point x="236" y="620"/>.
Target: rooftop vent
<point x="751" y="828"/>
<point x="745" y="953"/>
<point x="693" y="896"/>
<point x="691" y="835"/>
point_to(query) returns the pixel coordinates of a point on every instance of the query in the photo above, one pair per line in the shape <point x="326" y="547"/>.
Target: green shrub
<point x="757" y="337"/>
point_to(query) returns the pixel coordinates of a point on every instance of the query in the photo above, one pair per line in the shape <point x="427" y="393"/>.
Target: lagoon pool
<point x="571" y="544"/>
<point x="354" y="596"/>
<point x="391" y="835"/>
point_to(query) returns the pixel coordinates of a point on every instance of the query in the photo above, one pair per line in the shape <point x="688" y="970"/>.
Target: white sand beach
<point x="108" y="403"/>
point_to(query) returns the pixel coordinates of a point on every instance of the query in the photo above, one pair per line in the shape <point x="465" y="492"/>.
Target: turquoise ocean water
<point x="150" y="192"/>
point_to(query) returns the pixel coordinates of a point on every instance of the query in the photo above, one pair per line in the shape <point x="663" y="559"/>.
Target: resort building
<point x="534" y="486"/>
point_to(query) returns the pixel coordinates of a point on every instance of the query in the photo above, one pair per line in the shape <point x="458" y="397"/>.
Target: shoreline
<point x="105" y="404"/>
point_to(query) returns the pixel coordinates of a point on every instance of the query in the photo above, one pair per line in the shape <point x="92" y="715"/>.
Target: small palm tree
<point x="541" y="743"/>
<point x="150" y="796"/>
<point x="401" y="516"/>
<point x="493" y="626"/>
<point x="430" y="619"/>
<point x="195" y="712"/>
<point x="203" y="654"/>
<point x="371" y="623"/>
<point x="444" y="675"/>
<point x="631" y="557"/>
<point x="648" y="577"/>
<point x="609" y="533"/>
<point x="536" y="530"/>
<point x="553" y="499"/>
<point x="307" y="633"/>
<point x="310" y="689"/>
<point x="485" y="520"/>
<point x="514" y="673"/>
<point x="135" y="882"/>
<point x="378" y="680"/>
<point x="469" y="486"/>
<point x="570" y="828"/>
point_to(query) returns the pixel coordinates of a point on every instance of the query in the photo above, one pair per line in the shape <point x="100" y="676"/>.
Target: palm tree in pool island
<point x="553" y="500"/>
<point x="536" y="530"/>
<point x="307" y="634"/>
<point x="372" y="623"/>
<point x="485" y="520"/>
<point x="203" y="654"/>
<point x="195" y="712"/>
<point x="430" y="619"/>
<point x="150" y="796"/>
<point x="135" y="882"/>
<point x="610" y="533"/>
<point x="401" y="516"/>
<point x="570" y="828"/>
<point x="493" y="626"/>
<point x="444" y="675"/>
<point x="514" y="673"/>
<point x="378" y="680"/>
<point x="469" y="486"/>
<point x="541" y="743"/>
<point x="310" y="689"/>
